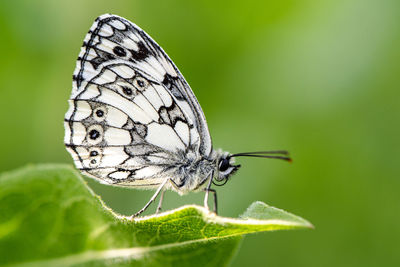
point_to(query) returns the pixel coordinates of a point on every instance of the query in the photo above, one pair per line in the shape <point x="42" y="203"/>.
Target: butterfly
<point x="134" y="121"/>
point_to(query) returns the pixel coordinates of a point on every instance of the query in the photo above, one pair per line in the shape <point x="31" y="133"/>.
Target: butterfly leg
<point x="160" y="202"/>
<point x="208" y="190"/>
<point x="215" y="199"/>
<point x="151" y="199"/>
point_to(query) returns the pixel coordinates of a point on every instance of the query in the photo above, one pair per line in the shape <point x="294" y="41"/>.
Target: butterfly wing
<point x="113" y="37"/>
<point x="132" y="116"/>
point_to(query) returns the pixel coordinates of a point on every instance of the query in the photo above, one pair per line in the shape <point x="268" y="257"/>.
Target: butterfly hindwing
<point x="131" y="115"/>
<point x="112" y="38"/>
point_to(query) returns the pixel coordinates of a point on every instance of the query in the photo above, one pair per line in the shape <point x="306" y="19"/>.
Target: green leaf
<point x="49" y="217"/>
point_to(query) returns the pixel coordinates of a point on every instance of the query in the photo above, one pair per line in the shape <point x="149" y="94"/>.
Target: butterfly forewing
<point x="132" y="116"/>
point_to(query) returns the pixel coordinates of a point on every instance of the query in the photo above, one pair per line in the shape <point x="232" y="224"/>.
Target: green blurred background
<point x="319" y="78"/>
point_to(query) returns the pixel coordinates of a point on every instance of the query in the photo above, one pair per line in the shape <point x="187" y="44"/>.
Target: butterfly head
<point x="226" y="166"/>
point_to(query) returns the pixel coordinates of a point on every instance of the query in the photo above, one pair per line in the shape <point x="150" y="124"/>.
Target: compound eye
<point x="223" y="164"/>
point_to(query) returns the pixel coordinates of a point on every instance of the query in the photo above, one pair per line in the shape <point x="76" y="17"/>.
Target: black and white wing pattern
<point x="132" y="117"/>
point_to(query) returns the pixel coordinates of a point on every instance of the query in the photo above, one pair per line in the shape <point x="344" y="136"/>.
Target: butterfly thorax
<point x="193" y="172"/>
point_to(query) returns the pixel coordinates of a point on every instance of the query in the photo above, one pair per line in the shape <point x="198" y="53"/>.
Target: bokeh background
<point x="319" y="78"/>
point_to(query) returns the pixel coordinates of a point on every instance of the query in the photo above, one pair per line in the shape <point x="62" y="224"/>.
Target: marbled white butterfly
<point x="134" y="121"/>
